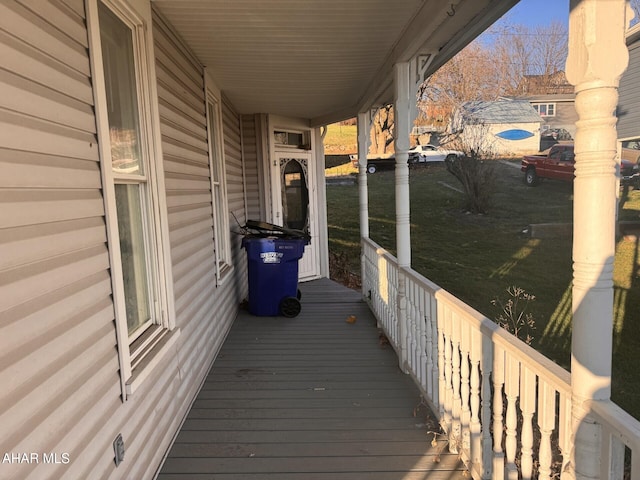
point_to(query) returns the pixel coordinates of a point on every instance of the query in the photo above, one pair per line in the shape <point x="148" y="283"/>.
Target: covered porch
<point x="314" y="397"/>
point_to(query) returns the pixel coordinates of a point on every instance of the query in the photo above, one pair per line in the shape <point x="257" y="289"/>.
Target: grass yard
<point x="478" y="257"/>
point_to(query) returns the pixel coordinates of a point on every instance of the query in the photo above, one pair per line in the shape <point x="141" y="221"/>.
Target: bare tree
<point x="382" y="129"/>
<point x="470" y="75"/>
<point x="532" y="58"/>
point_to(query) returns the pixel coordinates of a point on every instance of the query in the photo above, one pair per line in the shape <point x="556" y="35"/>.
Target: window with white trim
<point x="545" y="109"/>
<point x="221" y="233"/>
<point x="130" y="185"/>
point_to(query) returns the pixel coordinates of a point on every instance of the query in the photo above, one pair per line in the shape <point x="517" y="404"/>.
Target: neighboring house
<point x="628" y="111"/>
<point x="553" y="84"/>
<point x="133" y="136"/>
<point x="503" y="127"/>
<point x="558" y="111"/>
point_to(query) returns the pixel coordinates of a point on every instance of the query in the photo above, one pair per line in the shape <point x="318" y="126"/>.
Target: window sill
<point x="147" y="365"/>
<point x="225" y="274"/>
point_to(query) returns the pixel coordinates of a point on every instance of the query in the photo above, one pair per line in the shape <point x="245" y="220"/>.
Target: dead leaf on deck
<point x="351" y="319"/>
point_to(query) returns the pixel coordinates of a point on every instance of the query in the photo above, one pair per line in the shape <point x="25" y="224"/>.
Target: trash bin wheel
<point x="290" y="307"/>
<point x="299" y="294"/>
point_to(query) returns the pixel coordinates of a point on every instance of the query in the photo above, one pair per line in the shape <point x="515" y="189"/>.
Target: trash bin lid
<point x="267" y="229"/>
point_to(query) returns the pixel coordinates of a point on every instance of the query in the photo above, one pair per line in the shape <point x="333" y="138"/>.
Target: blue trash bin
<point x="272" y="264"/>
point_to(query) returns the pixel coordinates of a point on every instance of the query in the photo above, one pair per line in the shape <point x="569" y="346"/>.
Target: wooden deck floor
<point x="309" y="398"/>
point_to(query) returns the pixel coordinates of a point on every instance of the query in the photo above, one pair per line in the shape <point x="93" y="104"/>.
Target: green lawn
<point x="478" y="257"/>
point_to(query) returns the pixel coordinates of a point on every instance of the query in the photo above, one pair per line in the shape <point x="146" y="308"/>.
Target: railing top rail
<point x="620" y="423"/>
<point x="544" y="367"/>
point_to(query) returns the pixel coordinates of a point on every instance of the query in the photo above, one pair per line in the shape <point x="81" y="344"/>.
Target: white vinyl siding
<point x="252" y="178"/>
<point x="629" y="102"/>
<point x="204" y="311"/>
<point x="57" y="343"/>
<point x="61" y="375"/>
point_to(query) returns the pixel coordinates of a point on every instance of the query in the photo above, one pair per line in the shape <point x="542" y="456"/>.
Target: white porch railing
<point x="505" y="408"/>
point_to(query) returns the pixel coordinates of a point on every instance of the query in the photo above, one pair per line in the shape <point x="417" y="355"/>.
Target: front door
<point x="294" y="203"/>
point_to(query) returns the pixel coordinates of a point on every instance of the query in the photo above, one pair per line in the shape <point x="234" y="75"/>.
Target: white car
<point x="430" y="153"/>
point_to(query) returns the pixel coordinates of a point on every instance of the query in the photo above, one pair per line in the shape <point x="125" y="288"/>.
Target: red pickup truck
<point x="557" y="163"/>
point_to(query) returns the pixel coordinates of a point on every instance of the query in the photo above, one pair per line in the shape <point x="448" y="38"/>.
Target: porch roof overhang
<point x="322" y="61"/>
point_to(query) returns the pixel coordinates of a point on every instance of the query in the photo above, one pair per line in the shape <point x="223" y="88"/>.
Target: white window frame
<point x="537" y="106"/>
<point x="219" y="200"/>
<point x="138" y="354"/>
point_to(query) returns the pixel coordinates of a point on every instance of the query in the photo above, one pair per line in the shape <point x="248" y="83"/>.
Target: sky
<point x="532" y="13"/>
<point x="538" y="12"/>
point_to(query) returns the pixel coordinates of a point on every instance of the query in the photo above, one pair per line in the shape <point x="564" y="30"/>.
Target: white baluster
<point x="427" y="339"/>
<point x="465" y="414"/>
<point x="435" y="350"/>
<point x="498" y="426"/>
<point x="422" y="343"/>
<point x="448" y="390"/>
<point x="456" y="407"/>
<point x="486" y="369"/>
<point x="528" y="407"/>
<point x="546" y="422"/>
<point x="511" y="385"/>
<point x="475" y="443"/>
<point x="442" y="382"/>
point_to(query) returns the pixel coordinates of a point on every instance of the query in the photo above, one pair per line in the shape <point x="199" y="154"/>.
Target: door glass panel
<point x="132" y="251"/>
<point x="122" y="102"/>
<point x="295" y="195"/>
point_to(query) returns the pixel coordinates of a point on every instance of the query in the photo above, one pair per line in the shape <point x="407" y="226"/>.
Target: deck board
<point x="309" y="398"/>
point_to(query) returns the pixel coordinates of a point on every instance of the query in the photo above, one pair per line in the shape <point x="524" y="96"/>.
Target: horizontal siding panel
<point x="64" y="414"/>
<point x="20" y="94"/>
<point x="176" y="93"/>
<point x="175" y="181"/>
<point x="169" y="42"/>
<point x="190" y="219"/>
<point x="94" y="411"/>
<point x="176" y="149"/>
<point x="69" y="15"/>
<point x="181" y="115"/>
<point x="172" y="165"/>
<point x="43" y="69"/>
<point x="181" y="199"/>
<point x="19" y="21"/>
<point x="190" y="214"/>
<point x="21" y="169"/>
<point x="25" y="283"/>
<point x="185" y="137"/>
<point x="200" y="243"/>
<point x="23" y="323"/>
<point x="19" y="132"/>
<point x="143" y="436"/>
<point x="30" y="207"/>
<point x="28" y="407"/>
<point x="189" y="303"/>
<point x="185" y="106"/>
<point x="33" y="243"/>
<point x="629" y="100"/>
<point x="170" y="56"/>
<point x="28" y="363"/>
<point x="190" y="270"/>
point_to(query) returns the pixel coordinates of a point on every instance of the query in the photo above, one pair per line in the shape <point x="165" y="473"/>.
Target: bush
<point x="477" y="178"/>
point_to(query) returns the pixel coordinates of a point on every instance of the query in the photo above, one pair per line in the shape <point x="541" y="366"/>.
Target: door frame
<point x="317" y="193"/>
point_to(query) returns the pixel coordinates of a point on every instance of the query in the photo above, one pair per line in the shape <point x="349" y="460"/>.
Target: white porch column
<point x="402" y="115"/>
<point x="597" y="58"/>
<point x="364" y="139"/>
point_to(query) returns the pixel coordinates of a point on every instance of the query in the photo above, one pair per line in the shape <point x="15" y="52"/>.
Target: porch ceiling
<point x="323" y="61"/>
